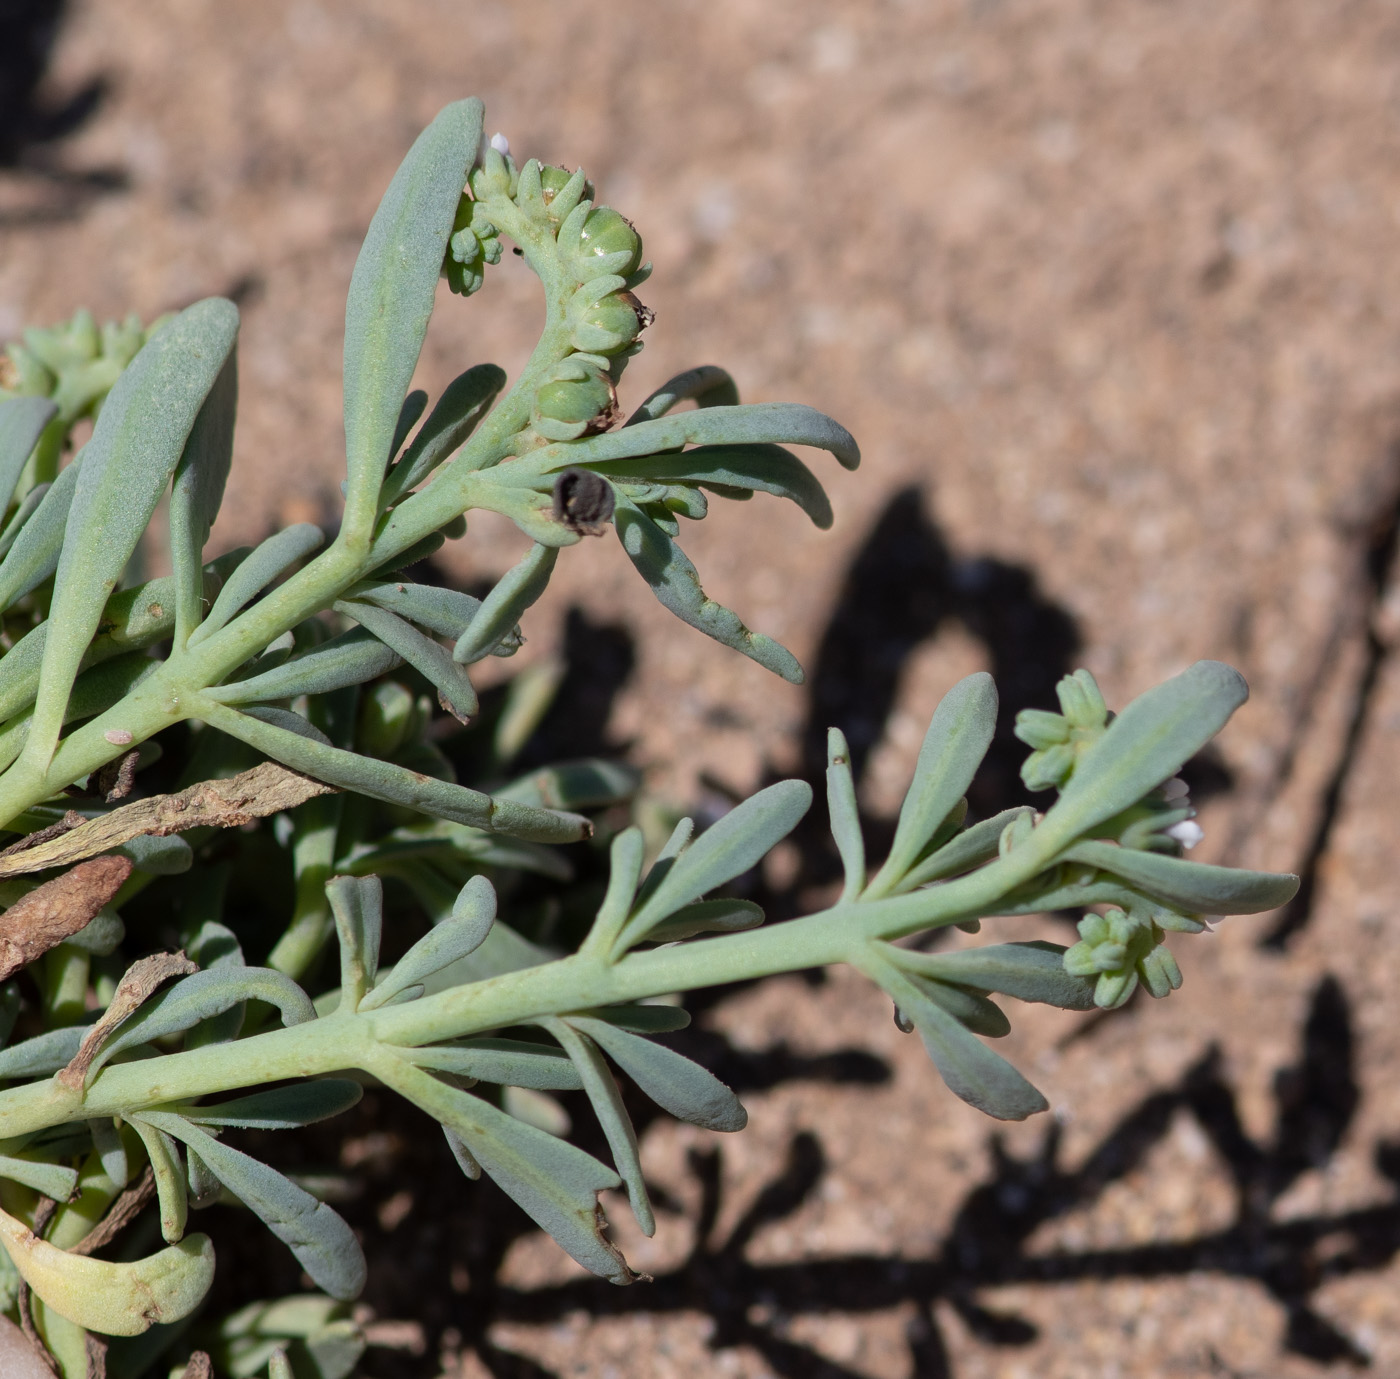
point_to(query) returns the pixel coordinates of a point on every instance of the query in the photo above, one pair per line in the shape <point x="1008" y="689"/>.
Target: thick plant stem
<point x="569" y="984"/>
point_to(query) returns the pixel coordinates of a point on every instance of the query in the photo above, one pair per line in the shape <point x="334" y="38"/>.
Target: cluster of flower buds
<point x="74" y="363"/>
<point x="599" y="252"/>
<point x="1122" y="949"/>
<point x="1162" y="821"/>
<point x="475" y="242"/>
<point x="1060" y="739"/>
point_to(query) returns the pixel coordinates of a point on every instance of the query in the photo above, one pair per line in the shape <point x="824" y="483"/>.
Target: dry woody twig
<point x="266" y="789"/>
<point x="57" y="910"/>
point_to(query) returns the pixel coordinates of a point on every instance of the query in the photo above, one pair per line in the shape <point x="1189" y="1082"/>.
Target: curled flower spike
<point x="1122" y="949"/>
<point x="1060" y="739"/>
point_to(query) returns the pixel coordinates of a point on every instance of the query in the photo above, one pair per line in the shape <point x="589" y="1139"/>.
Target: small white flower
<point x="1188" y="833"/>
<point x="501" y="144"/>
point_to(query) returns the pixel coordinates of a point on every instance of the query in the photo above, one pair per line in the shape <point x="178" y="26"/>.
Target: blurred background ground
<point x="1108" y="291"/>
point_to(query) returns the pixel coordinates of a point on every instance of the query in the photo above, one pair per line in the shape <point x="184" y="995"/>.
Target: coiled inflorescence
<point x="600" y="256"/>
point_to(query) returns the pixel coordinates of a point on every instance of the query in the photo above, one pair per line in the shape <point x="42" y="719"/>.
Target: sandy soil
<point x="1109" y="293"/>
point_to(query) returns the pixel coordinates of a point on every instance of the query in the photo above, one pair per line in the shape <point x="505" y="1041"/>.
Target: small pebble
<point x="118" y="737"/>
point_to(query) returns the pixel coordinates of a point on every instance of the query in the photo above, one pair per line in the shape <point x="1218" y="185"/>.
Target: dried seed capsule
<point x="583" y="501"/>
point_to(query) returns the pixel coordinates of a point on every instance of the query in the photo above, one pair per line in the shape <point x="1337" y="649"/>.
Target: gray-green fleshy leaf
<point x="22" y="422"/>
<point x="430" y="660"/>
<point x="606" y="1100"/>
<point x="750" y="468"/>
<point x="357" y="902"/>
<point x="586" y="784"/>
<point x="532" y="512"/>
<point x="136" y="444"/>
<point x="1190" y="886"/>
<point x="349" y="659"/>
<point x="958" y="736"/>
<point x="513" y="593"/>
<point x="382" y="780"/>
<point x="41" y="1055"/>
<point x="197" y="493"/>
<point x="281" y="1108"/>
<point x="461" y="1153"/>
<point x="256" y="571"/>
<point x="706" y="386"/>
<point x="721" y="916"/>
<point x="1145" y="745"/>
<point x="101" y="935"/>
<point x="763" y="423"/>
<point x="319" y="1238"/>
<point x="1032" y="971"/>
<point x="508" y="1062"/>
<point x="442" y="611"/>
<point x="391" y="296"/>
<point x="970" y="1009"/>
<point x="53" y="1180"/>
<point x="972" y="1071"/>
<point x="111" y="1151"/>
<point x="625" y="857"/>
<point x="34" y="555"/>
<point x="413" y="408"/>
<point x="215" y="947"/>
<point x="288" y="722"/>
<point x="200" y="995"/>
<point x="473" y="914"/>
<point x="556" y="1184"/>
<point x="172" y="1189"/>
<point x="964" y="850"/>
<point x="728" y="848"/>
<point x="844" y="813"/>
<point x="158" y="856"/>
<point x="660" y="868"/>
<point x="675" y="1083"/>
<point x="676" y="584"/>
<point x="454" y="416"/>
<point x="29" y="505"/>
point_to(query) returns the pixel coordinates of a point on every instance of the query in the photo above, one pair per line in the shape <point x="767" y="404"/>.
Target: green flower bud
<point x="606" y="244"/>
<point x="1060" y="739"/>
<point x="569" y="407"/>
<point x="1050" y="767"/>
<point x="610" y="323"/>
<point x="497" y="176"/>
<point x="553" y="180"/>
<point x="1081" y="702"/>
<point x="1122" y="949"/>
<point x="1160" y="974"/>
<point x="1040" y="729"/>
